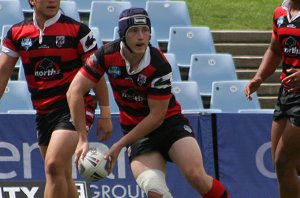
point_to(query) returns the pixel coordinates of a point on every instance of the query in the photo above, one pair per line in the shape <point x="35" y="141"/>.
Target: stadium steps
<point x="247" y="49"/>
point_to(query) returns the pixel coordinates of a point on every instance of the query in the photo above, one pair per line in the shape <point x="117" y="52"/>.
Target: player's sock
<point x="217" y="191"/>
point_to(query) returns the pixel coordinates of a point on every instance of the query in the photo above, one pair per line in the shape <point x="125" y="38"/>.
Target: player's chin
<point x="139" y="50"/>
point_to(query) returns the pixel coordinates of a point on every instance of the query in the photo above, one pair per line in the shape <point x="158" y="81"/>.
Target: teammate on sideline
<point x="53" y="47"/>
<point x="284" y="47"/>
<point x="154" y="129"/>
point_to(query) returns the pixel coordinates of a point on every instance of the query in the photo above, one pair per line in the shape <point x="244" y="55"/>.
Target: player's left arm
<point x="104" y="125"/>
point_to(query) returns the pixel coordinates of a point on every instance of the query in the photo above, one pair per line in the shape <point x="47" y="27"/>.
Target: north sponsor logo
<point x="46" y="69"/>
<point x="291" y="46"/>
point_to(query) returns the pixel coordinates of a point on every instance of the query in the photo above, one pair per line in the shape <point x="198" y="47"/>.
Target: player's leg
<point x="186" y="153"/>
<point x="287" y="158"/>
<point x="73" y="192"/>
<point x="149" y="171"/>
<point x="58" y="159"/>
<point x="277" y="130"/>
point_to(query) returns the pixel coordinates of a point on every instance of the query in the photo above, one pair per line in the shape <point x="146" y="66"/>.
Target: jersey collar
<point x="287" y="6"/>
<point x="47" y="23"/>
<point x="143" y="64"/>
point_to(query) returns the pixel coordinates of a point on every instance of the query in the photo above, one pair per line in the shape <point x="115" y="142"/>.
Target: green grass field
<point x="233" y="15"/>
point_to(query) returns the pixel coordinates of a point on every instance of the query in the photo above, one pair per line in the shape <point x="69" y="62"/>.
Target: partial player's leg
<point x="277" y="130"/>
<point x="149" y="171"/>
<point x="58" y="159"/>
<point x="287" y="158"/>
<point x="73" y="192"/>
<point x="186" y="153"/>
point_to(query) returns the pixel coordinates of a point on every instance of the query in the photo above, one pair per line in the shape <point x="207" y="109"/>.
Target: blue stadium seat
<point x="4" y="30"/>
<point x="105" y="16"/>
<point x="230" y="98"/>
<point x="140" y="3"/>
<point x="69" y="8"/>
<point x="256" y="111"/>
<point x="25" y="6"/>
<point x="175" y="69"/>
<point x="186" y="92"/>
<point x="164" y="14"/>
<point x="10" y="12"/>
<point x="206" y="68"/>
<point x="185" y="41"/>
<point x="84" y="6"/>
<point x="16" y="97"/>
<point x="21" y="74"/>
<point x="97" y="36"/>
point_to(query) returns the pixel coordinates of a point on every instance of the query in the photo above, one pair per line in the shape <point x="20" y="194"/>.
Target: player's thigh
<point x="186" y="153"/>
<point x="288" y="148"/>
<point x="62" y="146"/>
<point x="150" y="160"/>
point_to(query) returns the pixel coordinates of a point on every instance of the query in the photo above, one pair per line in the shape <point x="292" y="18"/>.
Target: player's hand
<point x="81" y="150"/>
<point x="252" y="86"/>
<point x="293" y="80"/>
<point x="111" y="156"/>
<point x="104" y="129"/>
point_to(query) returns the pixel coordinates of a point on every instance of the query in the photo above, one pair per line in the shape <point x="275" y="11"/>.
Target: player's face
<point x="45" y="8"/>
<point x="138" y="38"/>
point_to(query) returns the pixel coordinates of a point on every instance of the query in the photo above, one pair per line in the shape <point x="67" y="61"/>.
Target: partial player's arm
<point x="270" y="62"/>
<point x="79" y="86"/>
<point x="104" y="125"/>
<point x="7" y="64"/>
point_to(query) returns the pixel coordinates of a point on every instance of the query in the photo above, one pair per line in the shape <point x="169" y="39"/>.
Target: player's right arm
<point x="270" y="62"/>
<point x="7" y="64"/>
<point x="75" y="96"/>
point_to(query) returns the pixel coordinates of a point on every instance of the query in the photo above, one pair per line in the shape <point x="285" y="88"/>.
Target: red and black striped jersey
<point x="51" y="57"/>
<point x="132" y="90"/>
<point x="287" y="32"/>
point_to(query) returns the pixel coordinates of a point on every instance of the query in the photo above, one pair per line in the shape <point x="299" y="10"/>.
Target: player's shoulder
<point x="157" y="57"/>
<point x="111" y="47"/>
<point x="279" y="11"/>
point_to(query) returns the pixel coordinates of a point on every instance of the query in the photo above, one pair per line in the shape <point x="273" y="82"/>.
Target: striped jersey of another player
<point x="287" y="32"/>
<point x="131" y="91"/>
<point x="51" y="57"/>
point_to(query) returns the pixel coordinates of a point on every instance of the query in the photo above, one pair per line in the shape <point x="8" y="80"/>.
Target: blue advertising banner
<point x="20" y="160"/>
<point x="235" y="147"/>
<point x="244" y="155"/>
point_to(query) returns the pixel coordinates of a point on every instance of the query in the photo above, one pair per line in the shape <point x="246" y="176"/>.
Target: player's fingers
<point x="288" y="78"/>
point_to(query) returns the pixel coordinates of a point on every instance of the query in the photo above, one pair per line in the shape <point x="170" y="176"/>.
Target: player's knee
<point x="153" y="181"/>
<point x="53" y="168"/>
<point x="193" y="174"/>
<point x="283" y="166"/>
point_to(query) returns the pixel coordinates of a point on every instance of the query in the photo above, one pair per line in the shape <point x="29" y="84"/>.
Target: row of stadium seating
<point x="104" y="14"/>
<point x="187" y="47"/>
<point x="227" y="97"/>
<point x="84" y="6"/>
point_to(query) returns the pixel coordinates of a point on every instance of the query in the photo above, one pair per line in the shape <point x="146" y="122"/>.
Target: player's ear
<point x="30" y="3"/>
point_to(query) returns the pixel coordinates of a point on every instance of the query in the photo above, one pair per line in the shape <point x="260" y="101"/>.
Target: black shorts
<point x="60" y="119"/>
<point x="288" y="106"/>
<point x="162" y="138"/>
